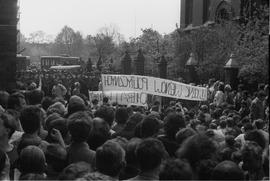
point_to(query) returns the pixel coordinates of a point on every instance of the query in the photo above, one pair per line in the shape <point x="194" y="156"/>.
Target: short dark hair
<point x="150" y="153"/>
<point x="259" y="123"/>
<point x="109" y="158"/>
<point x="121" y="115"/>
<point x="32" y="160"/>
<point x="196" y="148"/>
<point x="227" y="170"/>
<point x="94" y="101"/>
<point x="173" y="122"/>
<point x="75" y="170"/>
<point x="106" y="113"/>
<point x="175" y="169"/>
<point x="14" y="100"/>
<point x="46" y="102"/>
<point x="79" y="126"/>
<point x="30" y="119"/>
<point x="205" y="168"/>
<point x="149" y="126"/>
<point x="105" y="100"/>
<point x="35" y="97"/>
<point x="257" y="137"/>
<point x="75" y="107"/>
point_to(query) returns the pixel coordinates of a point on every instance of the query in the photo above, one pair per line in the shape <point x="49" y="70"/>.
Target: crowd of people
<point x="58" y="138"/>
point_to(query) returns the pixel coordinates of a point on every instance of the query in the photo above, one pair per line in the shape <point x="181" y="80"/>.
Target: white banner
<point x="154" y="86"/>
<point x="120" y="97"/>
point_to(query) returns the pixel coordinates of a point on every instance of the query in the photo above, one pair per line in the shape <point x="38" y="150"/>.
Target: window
<point x="206" y="5"/>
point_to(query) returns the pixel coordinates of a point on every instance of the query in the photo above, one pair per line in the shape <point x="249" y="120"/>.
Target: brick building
<point x="196" y="13"/>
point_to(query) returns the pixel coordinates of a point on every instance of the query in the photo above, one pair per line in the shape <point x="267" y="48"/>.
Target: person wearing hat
<point x="228" y="96"/>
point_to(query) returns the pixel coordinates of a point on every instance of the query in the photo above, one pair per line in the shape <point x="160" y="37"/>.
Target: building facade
<point x="8" y="43"/>
<point x="196" y="13"/>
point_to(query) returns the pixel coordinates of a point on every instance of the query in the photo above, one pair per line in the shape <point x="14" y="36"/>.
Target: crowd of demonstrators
<point x="63" y="137"/>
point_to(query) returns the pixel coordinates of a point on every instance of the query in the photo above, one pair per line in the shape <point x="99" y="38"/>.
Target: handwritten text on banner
<point x="154" y="86"/>
<point x="121" y="97"/>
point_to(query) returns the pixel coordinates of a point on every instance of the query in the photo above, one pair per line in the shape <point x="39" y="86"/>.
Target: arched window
<point x="224" y="12"/>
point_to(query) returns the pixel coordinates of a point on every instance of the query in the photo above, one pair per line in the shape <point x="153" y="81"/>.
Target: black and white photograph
<point x="134" y="90"/>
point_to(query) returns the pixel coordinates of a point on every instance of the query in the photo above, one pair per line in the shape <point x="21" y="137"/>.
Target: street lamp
<point x="191" y="65"/>
<point x="231" y="71"/>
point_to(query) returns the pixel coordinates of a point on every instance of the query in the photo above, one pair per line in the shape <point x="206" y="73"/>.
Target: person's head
<point x="204" y="169"/>
<point x="16" y="101"/>
<point x="110" y="158"/>
<point x="204" y="108"/>
<point x="30" y="119"/>
<point x="95" y="102"/>
<point x="133" y="120"/>
<point x="150" y="153"/>
<point x="4" y="99"/>
<point x="32" y="160"/>
<point x="175" y="169"/>
<point x="57" y="107"/>
<point x="75" y="104"/>
<point x="173" y="122"/>
<point x="121" y="115"/>
<point x="77" y="85"/>
<point x="257" y="137"/>
<point x="227" y="170"/>
<point x="227" y="88"/>
<point x="105" y="100"/>
<point x="56" y="157"/>
<point x="79" y="126"/>
<point x="261" y="95"/>
<point x="149" y="126"/>
<point x="106" y="113"/>
<point x="75" y="171"/>
<point x="252" y="156"/>
<point x="46" y="102"/>
<point x="59" y="124"/>
<point x="247" y="127"/>
<point x="183" y="134"/>
<point x="221" y="86"/>
<point x="132" y="145"/>
<point x="240" y="87"/>
<point x="100" y="133"/>
<point x="259" y="124"/>
<point x="196" y="148"/>
<point x="35" y="97"/>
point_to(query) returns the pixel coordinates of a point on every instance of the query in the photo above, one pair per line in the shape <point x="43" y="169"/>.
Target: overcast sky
<point x="88" y="16"/>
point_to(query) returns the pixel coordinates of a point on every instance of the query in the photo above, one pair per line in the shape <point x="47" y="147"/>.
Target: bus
<point x="47" y="61"/>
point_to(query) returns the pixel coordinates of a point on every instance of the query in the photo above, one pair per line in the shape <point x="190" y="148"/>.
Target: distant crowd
<point x="47" y="135"/>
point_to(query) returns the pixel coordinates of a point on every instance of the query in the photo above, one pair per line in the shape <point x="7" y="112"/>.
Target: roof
<point x="192" y="60"/>
<point x="232" y="62"/>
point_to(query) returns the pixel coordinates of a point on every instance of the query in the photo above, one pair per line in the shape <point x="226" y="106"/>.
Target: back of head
<point x="259" y="124"/>
<point x="46" y="102"/>
<point x="110" y="158"/>
<point x="79" y="126"/>
<point x="56" y="157"/>
<point x="133" y="120"/>
<point x="150" y="126"/>
<point x="175" y="170"/>
<point x="32" y="160"/>
<point x="75" y="170"/>
<point x="57" y="107"/>
<point x="150" y="153"/>
<point x="121" y="115"/>
<point x="131" y="150"/>
<point x="204" y="168"/>
<point x="59" y="124"/>
<point x="196" y="148"/>
<point x="106" y="113"/>
<point x="227" y="170"/>
<point x="257" y="137"/>
<point x="35" y="97"/>
<point x="173" y="122"/>
<point x="75" y="104"/>
<point x="30" y="119"/>
<point x="183" y="134"/>
<point x="14" y="100"/>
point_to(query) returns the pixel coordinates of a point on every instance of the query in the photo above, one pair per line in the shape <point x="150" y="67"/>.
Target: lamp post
<point x="231" y="72"/>
<point x="139" y="63"/>
<point x="191" y="65"/>
<point x="126" y="64"/>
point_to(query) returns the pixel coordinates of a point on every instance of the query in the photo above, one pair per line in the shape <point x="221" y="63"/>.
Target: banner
<point x="121" y="97"/>
<point x="154" y="86"/>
